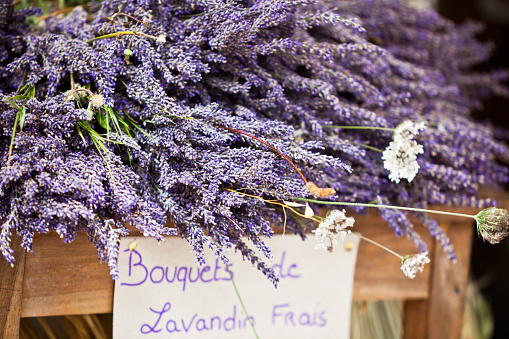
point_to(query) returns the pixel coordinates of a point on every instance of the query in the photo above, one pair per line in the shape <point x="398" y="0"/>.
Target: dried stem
<point x="268" y="145"/>
<point x="113" y="35"/>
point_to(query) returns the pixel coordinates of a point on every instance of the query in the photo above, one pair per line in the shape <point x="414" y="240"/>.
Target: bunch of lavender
<point x="53" y="180"/>
<point x="221" y="101"/>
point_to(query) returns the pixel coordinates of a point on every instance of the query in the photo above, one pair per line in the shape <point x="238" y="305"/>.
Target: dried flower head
<point x="76" y="93"/>
<point x="400" y="157"/>
<point x="493" y="224"/>
<point x="332" y="227"/>
<point x="318" y="191"/>
<point x="132" y="245"/>
<point x="96" y="101"/>
<point x="70" y="95"/>
<point x="413" y="263"/>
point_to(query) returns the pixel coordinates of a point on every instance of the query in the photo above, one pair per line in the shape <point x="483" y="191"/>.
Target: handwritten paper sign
<point x="162" y="293"/>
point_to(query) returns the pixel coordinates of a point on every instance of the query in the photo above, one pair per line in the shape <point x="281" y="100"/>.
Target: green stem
<point x="413" y="209"/>
<point x="366" y="146"/>
<point x="22" y="81"/>
<point x="360" y="127"/>
<point x="241" y="302"/>
<point x="13" y="134"/>
<point x="112" y="35"/>
<point x="379" y="245"/>
<point x="72" y="81"/>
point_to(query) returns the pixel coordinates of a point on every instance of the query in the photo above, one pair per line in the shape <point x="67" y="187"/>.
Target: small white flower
<point x="161" y="38"/>
<point x="90" y="115"/>
<point x="400" y="157"/>
<point x="413" y="263"/>
<point x="96" y="101"/>
<point x="332" y="227"/>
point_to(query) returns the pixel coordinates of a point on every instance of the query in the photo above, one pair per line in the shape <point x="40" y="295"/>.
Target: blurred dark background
<point x="495" y="15"/>
<point x="490" y="262"/>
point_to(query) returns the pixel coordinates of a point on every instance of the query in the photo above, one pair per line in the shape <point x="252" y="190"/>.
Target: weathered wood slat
<point x="414" y="319"/>
<point x="65" y="278"/>
<point x="60" y="278"/>
<point x="377" y="273"/>
<point x="449" y="284"/>
<point x="11" y="283"/>
<point x="68" y="279"/>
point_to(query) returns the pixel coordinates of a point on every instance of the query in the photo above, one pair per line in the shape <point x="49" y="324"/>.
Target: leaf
<point x="143" y="131"/>
<point x="13" y="135"/>
<point x="309" y="211"/>
<point x="23" y="88"/>
<point x="22" y="115"/>
<point x="293" y="204"/>
<point x="20" y="97"/>
<point x="102" y="120"/>
<point x="81" y="135"/>
<point x="112" y="115"/>
<point x="13" y="104"/>
<point x="31" y="92"/>
<point x="98" y="145"/>
<point x="126" y="125"/>
<point x="133" y="124"/>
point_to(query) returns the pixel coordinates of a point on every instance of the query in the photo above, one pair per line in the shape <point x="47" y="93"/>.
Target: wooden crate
<point x="60" y="279"/>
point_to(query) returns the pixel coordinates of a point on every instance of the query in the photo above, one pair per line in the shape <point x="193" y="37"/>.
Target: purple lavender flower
<point x="287" y="72"/>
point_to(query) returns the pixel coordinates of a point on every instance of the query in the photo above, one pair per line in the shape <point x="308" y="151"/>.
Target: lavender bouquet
<point x="227" y="117"/>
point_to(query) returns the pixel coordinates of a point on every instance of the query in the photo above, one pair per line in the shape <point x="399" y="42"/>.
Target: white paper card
<point x="162" y="293"/>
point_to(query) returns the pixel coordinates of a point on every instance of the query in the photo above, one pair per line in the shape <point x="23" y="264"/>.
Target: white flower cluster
<point x="332" y="227"/>
<point x="413" y="263"/>
<point x="96" y="101"/>
<point x="161" y="39"/>
<point x="400" y="157"/>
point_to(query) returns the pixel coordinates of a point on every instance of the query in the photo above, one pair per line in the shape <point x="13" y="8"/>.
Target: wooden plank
<point x="68" y="278"/>
<point x="377" y="274"/>
<point x="65" y="278"/>
<point x="448" y="285"/>
<point x="414" y="319"/>
<point x="11" y="282"/>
